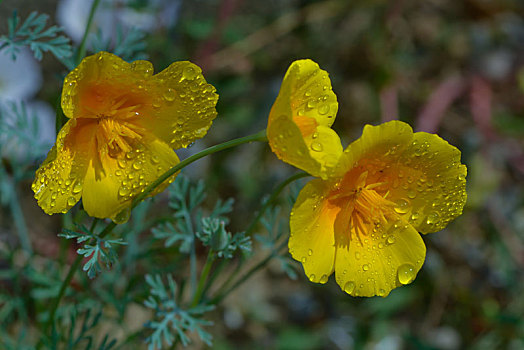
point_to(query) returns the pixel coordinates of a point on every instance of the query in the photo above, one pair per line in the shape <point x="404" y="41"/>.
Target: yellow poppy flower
<point x="299" y="124"/>
<point x="361" y="221"/>
<point x="123" y="125"/>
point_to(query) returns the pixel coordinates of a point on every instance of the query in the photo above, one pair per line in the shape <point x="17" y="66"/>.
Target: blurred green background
<point x="455" y="68"/>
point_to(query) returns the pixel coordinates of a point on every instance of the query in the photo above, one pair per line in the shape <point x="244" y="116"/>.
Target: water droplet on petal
<point x="402" y="206"/>
<point x="324" y="279"/>
<point x="71" y="201"/>
<point x="365" y="267"/>
<point x="77" y="188"/>
<point x="324" y="109"/>
<point x="390" y="240"/>
<point x="123" y="216"/>
<point x="124" y="191"/>
<point x="432" y="218"/>
<point x="349" y="287"/>
<point x="312" y="277"/>
<point x="406" y="273"/>
<point x="317" y="147"/>
<point x="304" y="259"/>
<point x="169" y="95"/>
<point x="189" y="73"/>
<point x="311" y="103"/>
<point x="310" y="252"/>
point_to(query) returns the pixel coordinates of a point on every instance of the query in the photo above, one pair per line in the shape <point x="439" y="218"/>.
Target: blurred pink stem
<point x="480" y="99"/>
<point x="447" y="92"/>
<point x="388" y="103"/>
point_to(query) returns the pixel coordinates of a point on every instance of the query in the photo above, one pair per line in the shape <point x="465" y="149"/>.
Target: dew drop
<point x="77" y="188"/>
<point x="414" y="216"/>
<point x="412" y="194"/>
<point x="315" y="135"/>
<point x="357" y="255"/>
<point x="349" y="287"/>
<point x="137" y="165"/>
<point x="324" y="279"/>
<point x="304" y="259"/>
<point x="312" y="277"/>
<point x="406" y="273"/>
<point x="189" y="73"/>
<point x="390" y="240"/>
<point x="169" y="95"/>
<point x="317" y="147"/>
<point x="310" y="252"/>
<point x="71" y="201"/>
<point x="365" y="267"/>
<point x="381" y="292"/>
<point x="312" y="103"/>
<point x="123" y="216"/>
<point x="402" y="206"/>
<point x="432" y="218"/>
<point x="124" y="191"/>
<point x="324" y="109"/>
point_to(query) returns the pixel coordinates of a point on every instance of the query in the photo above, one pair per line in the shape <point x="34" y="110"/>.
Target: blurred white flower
<point x="72" y="15"/>
<point x="27" y="130"/>
<point x="27" y="127"/>
<point x="20" y="79"/>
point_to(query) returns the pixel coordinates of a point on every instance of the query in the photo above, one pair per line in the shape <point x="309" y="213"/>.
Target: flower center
<point x="116" y="132"/>
<point x="365" y="206"/>
<point x="116" y="137"/>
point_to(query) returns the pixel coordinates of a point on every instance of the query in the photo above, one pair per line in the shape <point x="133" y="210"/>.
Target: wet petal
<point x="312" y="236"/>
<point x="177" y="105"/>
<point x="387" y="257"/>
<point x="111" y="185"/>
<point x="58" y="182"/>
<point x="420" y="172"/>
<point x="299" y="122"/>
<point x="183" y="108"/>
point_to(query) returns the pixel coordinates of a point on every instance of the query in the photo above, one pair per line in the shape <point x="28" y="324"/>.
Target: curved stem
<point x="203" y="278"/>
<point x="82" y="48"/>
<point x="259" y="136"/>
<point x="248" y="274"/>
<point x="65" y="283"/>
<point x="224" y="289"/>
<point x="272" y="198"/>
<point x="63" y="287"/>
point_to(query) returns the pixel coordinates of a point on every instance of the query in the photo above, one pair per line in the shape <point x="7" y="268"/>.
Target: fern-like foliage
<point x="33" y="33"/>
<point x="171" y="321"/>
<point x="189" y="220"/>
<point x="20" y="128"/>
<point x="128" y="44"/>
<point x="100" y="252"/>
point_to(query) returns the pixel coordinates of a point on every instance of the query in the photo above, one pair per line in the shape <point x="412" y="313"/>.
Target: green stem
<point x="65" y="283"/>
<point x="272" y="198"/>
<point x="203" y="277"/>
<point x="255" y="221"/>
<point x="19" y="220"/>
<point x="82" y="49"/>
<point x="259" y="136"/>
<point x="63" y="287"/>
<point x="248" y="274"/>
<point x="192" y="253"/>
